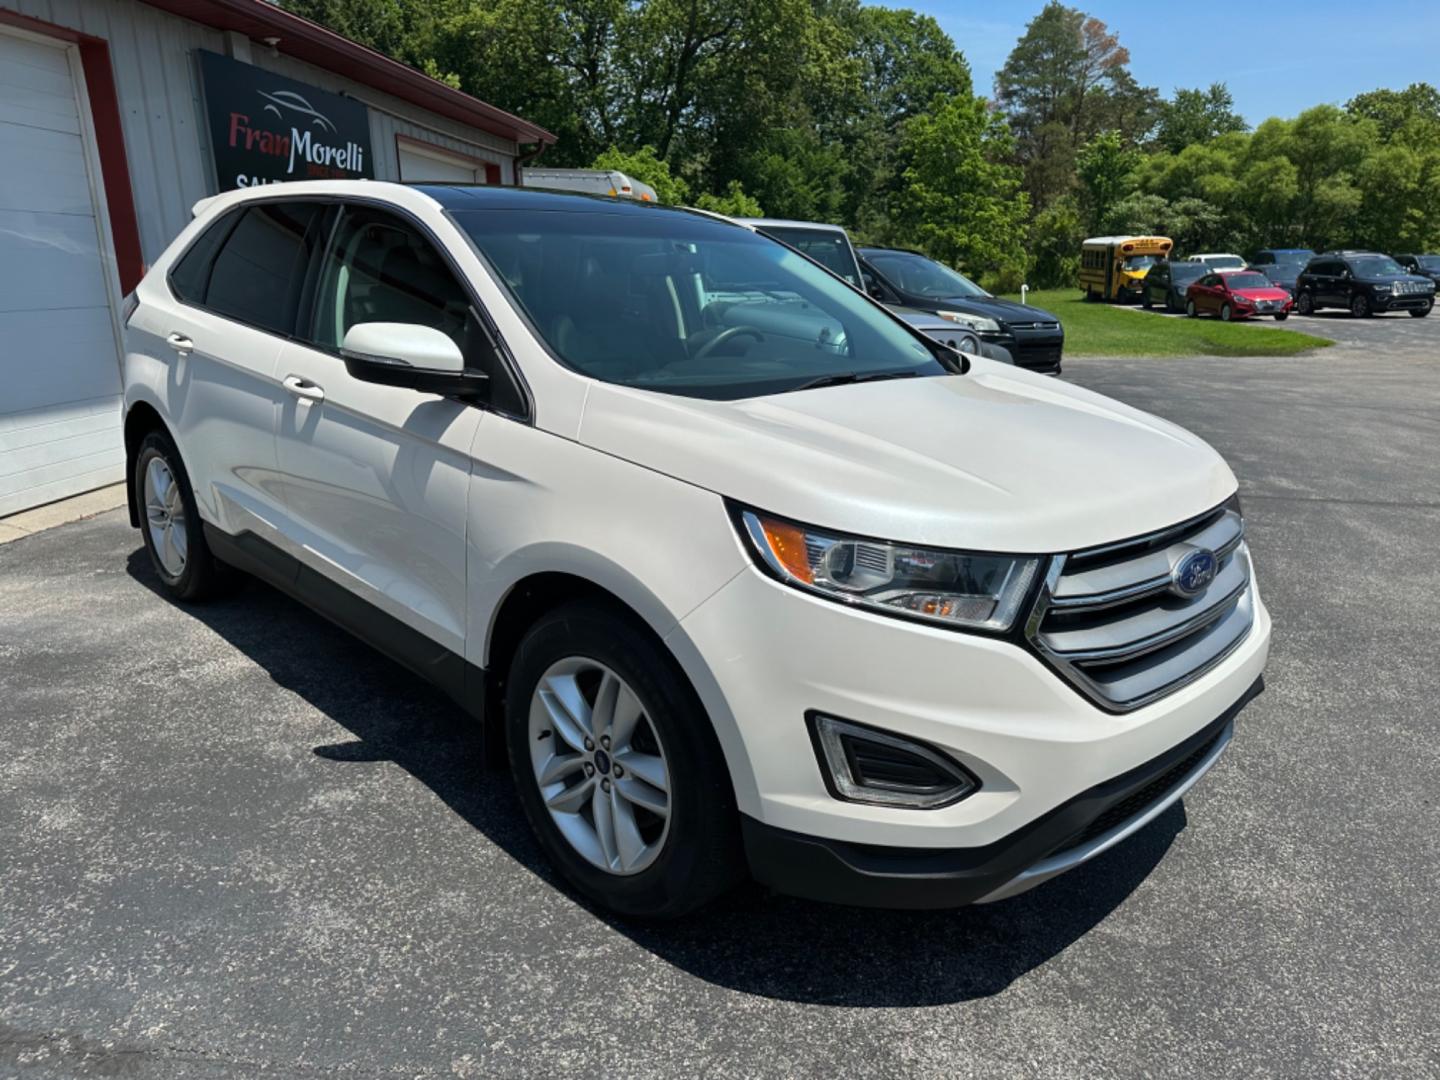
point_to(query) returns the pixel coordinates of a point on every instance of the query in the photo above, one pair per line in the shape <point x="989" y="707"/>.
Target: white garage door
<point x="59" y="379"/>
<point x="430" y="164"/>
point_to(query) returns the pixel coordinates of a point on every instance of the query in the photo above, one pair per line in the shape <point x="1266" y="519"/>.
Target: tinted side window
<point x="257" y="275"/>
<point x="379" y="268"/>
<point x="190" y="276"/>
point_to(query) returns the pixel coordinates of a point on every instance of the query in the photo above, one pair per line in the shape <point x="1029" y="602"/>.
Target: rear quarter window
<point x="256" y="274"/>
<point x="190" y="276"/>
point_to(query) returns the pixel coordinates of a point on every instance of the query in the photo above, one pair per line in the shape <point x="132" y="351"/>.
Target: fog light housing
<point x="865" y="765"/>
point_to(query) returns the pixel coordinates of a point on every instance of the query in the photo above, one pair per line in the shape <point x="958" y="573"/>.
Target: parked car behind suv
<point x="830" y="246"/>
<point x="1033" y="335"/>
<point x="1218" y="260"/>
<point x="1166" y="283"/>
<point x="616" y="477"/>
<point x="1424" y="265"/>
<point x="1282" y="265"/>
<point x="1366" y="282"/>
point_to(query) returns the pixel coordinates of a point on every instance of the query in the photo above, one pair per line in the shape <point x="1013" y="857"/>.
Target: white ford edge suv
<point x="739" y="571"/>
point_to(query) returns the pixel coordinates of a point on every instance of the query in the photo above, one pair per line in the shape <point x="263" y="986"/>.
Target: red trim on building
<point x="313" y="43"/>
<point x="109" y="141"/>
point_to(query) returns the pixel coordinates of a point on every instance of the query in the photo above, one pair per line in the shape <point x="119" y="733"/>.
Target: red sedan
<point x="1237" y="294"/>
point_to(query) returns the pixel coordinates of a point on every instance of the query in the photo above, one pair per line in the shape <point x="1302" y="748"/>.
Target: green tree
<point x="733" y="203"/>
<point x="1393" y="110"/>
<point x="1066" y="80"/>
<point x="1197" y="116"/>
<point x="1055" y="238"/>
<point x="960" y="200"/>
<point x="1105" y="167"/>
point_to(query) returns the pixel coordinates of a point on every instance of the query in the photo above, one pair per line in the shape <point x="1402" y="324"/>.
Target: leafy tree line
<point x="866" y="115"/>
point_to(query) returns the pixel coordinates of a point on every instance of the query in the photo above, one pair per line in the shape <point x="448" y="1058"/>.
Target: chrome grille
<point x="1112" y="620"/>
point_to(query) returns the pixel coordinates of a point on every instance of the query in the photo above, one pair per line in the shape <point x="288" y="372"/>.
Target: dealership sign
<point x="265" y="128"/>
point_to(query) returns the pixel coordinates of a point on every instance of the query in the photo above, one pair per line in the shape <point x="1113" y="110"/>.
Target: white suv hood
<point x="995" y="460"/>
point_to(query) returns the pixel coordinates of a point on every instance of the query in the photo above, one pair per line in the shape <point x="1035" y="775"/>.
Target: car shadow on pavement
<point x="753" y="940"/>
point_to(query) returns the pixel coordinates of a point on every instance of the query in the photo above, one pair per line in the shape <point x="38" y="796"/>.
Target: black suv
<point x="1424" y="265"/>
<point x="1366" y="282"/>
<point x="895" y="276"/>
<point x="1165" y="284"/>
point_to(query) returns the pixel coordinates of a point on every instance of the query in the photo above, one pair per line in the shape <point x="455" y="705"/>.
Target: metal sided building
<point x="117" y="116"/>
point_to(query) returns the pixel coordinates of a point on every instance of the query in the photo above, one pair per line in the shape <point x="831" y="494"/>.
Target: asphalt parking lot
<point x="234" y="842"/>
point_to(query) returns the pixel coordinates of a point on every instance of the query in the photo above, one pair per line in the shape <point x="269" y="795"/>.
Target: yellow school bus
<point x="1114" y="267"/>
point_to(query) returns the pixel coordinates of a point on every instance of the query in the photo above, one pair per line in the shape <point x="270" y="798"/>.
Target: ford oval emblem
<point x="1194" y="572"/>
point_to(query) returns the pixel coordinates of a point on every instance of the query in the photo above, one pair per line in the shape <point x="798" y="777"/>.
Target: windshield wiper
<point x="844" y="378"/>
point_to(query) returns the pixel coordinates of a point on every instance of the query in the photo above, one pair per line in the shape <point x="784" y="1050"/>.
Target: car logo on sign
<point x="1194" y="572"/>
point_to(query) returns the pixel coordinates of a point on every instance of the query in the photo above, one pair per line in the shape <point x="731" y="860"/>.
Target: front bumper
<point x="1405" y="302"/>
<point x="1066" y="837"/>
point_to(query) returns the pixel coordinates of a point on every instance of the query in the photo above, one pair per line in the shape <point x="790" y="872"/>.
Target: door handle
<point x="303" y="388"/>
<point x="180" y="343"/>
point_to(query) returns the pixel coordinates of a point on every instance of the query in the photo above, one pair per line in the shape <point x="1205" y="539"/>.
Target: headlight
<point x="1382" y="286"/>
<point x="974" y="322"/>
<point x="952" y="588"/>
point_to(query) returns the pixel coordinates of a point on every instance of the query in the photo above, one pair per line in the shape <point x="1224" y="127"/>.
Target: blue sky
<point x="1277" y="59"/>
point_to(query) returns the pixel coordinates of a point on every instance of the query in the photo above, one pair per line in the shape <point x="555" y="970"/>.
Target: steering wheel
<point x="728" y="334"/>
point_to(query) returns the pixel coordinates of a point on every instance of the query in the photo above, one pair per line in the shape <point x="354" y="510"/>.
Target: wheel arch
<point x="530" y="597"/>
<point x="141" y="418"/>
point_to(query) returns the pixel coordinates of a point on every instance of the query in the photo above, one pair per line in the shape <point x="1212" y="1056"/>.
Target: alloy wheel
<point x="165" y="517"/>
<point x="599" y="765"/>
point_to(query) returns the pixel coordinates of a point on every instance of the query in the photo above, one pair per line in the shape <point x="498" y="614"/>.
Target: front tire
<point x="1225" y="313"/>
<point x="617" y="766"/>
<point x="1282" y="316"/>
<point x="1145" y="299"/>
<point x="1190" y="311"/>
<point x="1420" y="313"/>
<point x="1360" y="306"/>
<point x="170" y="523"/>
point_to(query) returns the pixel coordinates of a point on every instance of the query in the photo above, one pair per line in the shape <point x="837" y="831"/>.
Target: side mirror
<point x="411" y="356"/>
<point x="871" y="285"/>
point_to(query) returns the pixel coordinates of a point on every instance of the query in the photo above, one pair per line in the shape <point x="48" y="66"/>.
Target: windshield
<point x="1293" y="259"/>
<point x="683" y="304"/>
<point x="1139" y="262"/>
<point x="1225" y="262"/>
<point x="1429" y="262"/>
<point x="1375" y="266"/>
<point x="826" y="246"/>
<point x="1183" y="272"/>
<point x="1247" y="280"/>
<point x="916" y="274"/>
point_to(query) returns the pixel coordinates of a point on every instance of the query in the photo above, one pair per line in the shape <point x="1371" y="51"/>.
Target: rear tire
<point x="668" y="851"/>
<point x="170" y="523"/>
<point x="1305" y="304"/>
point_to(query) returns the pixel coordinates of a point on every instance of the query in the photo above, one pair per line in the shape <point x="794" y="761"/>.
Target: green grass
<point x="1096" y="329"/>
